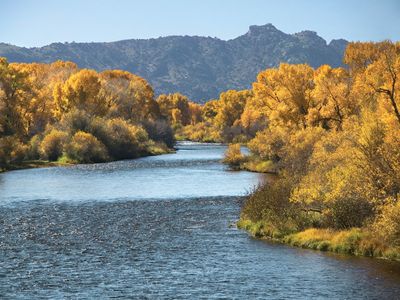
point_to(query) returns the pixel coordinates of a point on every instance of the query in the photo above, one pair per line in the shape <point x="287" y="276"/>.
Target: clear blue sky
<point x="39" y="22"/>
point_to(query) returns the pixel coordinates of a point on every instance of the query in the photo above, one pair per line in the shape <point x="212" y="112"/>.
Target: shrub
<point x="75" y="120"/>
<point x="123" y="140"/>
<point x="255" y="164"/>
<point x="12" y="150"/>
<point x="51" y="147"/>
<point x="348" y="212"/>
<point x="387" y="224"/>
<point x="233" y="156"/>
<point x="270" y="204"/>
<point x="201" y="132"/>
<point x="85" y="148"/>
<point x="34" y="147"/>
<point x="160" y="131"/>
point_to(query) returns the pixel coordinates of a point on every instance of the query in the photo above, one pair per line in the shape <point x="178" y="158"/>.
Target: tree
<point x="230" y="107"/>
<point x="210" y="110"/>
<point x="252" y="119"/>
<point x="42" y="79"/>
<point x="333" y="90"/>
<point x="128" y="96"/>
<point x="175" y="107"/>
<point x="285" y="94"/>
<point x="383" y="76"/>
<point x="15" y="93"/>
<point x="195" y="111"/>
<point x="358" y="56"/>
<point x="46" y="107"/>
<point x="82" y="91"/>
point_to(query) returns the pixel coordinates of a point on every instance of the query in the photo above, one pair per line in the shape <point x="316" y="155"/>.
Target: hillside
<point x="200" y="67"/>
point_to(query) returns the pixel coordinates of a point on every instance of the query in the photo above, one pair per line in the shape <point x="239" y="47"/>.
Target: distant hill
<point x="199" y="67"/>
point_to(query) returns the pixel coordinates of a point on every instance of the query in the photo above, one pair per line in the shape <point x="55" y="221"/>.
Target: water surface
<point x="158" y="227"/>
<point x="194" y="171"/>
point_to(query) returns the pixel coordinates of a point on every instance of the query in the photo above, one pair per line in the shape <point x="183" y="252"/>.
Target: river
<point x="159" y="227"/>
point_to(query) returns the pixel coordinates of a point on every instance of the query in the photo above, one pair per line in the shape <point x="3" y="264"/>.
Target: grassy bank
<point x="239" y="161"/>
<point x="355" y="241"/>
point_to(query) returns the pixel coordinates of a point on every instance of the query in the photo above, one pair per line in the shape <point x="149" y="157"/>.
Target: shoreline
<point x="33" y="164"/>
<point x="352" y="242"/>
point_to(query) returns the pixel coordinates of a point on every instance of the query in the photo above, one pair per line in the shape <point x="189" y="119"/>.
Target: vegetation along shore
<point x="331" y="136"/>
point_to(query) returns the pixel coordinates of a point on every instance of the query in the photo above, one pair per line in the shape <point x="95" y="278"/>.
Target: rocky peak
<point x="262" y="29"/>
<point x="310" y="37"/>
<point x="263" y="33"/>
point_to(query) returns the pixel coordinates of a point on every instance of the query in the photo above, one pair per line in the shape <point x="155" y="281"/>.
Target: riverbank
<point x="247" y="162"/>
<point x="63" y="162"/>
<point x="155" y="223"/>
<point x="355" y="241"/>
<point x="31" y="164"/>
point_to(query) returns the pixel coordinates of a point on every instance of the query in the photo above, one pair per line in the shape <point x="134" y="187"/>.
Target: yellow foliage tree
<point x="285" y="94"/>
<point x="82" y="90"/>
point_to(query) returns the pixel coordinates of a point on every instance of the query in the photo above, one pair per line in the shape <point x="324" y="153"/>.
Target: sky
<point x="33" y="23"/>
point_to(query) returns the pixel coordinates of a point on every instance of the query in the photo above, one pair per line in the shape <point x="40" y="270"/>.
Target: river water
<point x="159" y="227"/>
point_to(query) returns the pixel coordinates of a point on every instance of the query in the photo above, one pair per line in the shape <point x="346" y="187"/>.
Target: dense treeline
<point x="231" y="118"/>
<point x="58" y="112"/>
<point x="333" y="137"/>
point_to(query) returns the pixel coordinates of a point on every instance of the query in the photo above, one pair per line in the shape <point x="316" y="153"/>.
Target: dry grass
<point x="355" y="241"/>
<point x="258" y="166"/>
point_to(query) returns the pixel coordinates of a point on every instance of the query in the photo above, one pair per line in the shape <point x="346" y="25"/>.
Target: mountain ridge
<point x="199" y="67"/>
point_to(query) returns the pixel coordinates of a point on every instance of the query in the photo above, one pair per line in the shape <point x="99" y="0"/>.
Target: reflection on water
<point x="142" y="242"/>
<point x="194" y="171"/>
